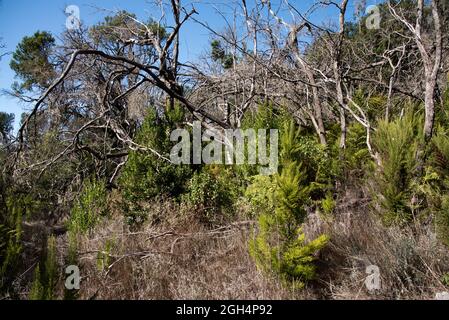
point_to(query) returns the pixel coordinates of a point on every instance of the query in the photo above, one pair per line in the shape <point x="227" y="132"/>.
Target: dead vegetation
<point x="180" y="258"/>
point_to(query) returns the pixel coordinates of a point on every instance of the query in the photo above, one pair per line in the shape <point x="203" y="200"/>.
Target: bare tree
<point x="141" y="53"/>
<point x="430" y="49"/>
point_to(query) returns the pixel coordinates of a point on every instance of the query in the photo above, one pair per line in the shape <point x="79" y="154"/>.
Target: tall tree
<point x="430" y="46"/>
<point x="31" y="61"/>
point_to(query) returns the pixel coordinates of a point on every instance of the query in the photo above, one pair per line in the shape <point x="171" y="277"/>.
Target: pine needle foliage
<point x="45" y="274"/>
<point x="280" y="246"/>
<point x="90" y="206"/>
<point x="397" y="143"/>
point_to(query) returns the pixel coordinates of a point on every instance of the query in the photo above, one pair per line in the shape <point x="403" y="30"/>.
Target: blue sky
<point x="19" y="18"/>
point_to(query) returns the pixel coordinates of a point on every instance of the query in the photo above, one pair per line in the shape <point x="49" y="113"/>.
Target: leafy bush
<point x="280" y="244"/>
<point x="212" y="191"/>
<point x="260" y="194"/>
<point x="145" y="174"/>
<point x="103" y="257"/>
<point x="442" y="220"/>
<point x="71" y="259"/>
<point x="10" y="237"/>
<point x="265" y="117"/>
<point x="37" y="289"/>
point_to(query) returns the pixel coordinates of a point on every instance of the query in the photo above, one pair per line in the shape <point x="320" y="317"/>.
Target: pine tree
<point x="31" y="61"/>
<point x="280" y="245"/>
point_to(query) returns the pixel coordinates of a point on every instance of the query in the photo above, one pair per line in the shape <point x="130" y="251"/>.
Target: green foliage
<point x="290" y="257"/>
<point x="397" y="144"/>
<point x="219" y="54"/>
<point x="16" y="205"/>
<point x="445" y="279"/>
<point x="145" y="174"/>
<point x="328" y="204"/>
<point x="280" y="245"/>
<point x="440" y="157"/>
<point x="90" y="206"/>
<point x="110" y="33"/>
<point x="442" y="220"/>
<point x="10" y="242"/>
<point x="37" y="289"/>
<point x="45" y="279"/>
<point x="72" y="254"/>
<point x="71" y="259"/>
<point x="357" y="158"/>
<point x="371" y="103"/>
<point x="6" y="126"/>
<point x="297" y="262"/>
<point x="31" y="60"/>
<point x="212" y="191"/>
<point x="104" y="257"/>
<point x="51" y="268"/>
<point x="266" y="117"/>
<point x="13" y="211"/>
<point x="260" y="194"/>
<point x="435" y="183"/>
<point x="291" y="196"/>
<point x="319" y="168"/>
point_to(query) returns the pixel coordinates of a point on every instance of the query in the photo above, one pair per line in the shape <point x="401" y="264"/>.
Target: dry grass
<point x="182" y="260"/>
<point x="179" y="257"/>
<point x="412" y="262"/>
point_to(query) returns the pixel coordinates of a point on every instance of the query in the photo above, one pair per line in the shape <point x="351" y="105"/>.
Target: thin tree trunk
<point x="429" y="109"/>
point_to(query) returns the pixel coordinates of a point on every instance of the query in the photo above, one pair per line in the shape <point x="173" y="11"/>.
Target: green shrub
<point x="265" y="117"/>
<point x="145" y="175"/>
<point x="71" y="259"/>
<point x="213" y="191"/>
<point x="440" y="156"/>
<point x="90" y="206"/>
<point x="104" y="257"/>
<point x="279" y="245"/>
<point x="445" y="279"/>
<point x="435" y="185"/>
<point x="260" y="194"/>
<point x="45" y="279"/>
<point x="328" y="204"/>
<point x="397" y="144"/>
<point x="37" y="289"/>
<point x="11" y="234"/>
<point x="319" y="167"/>
<point x="442" y="220"/>
<point x="357" y="159"/>
<point x="17" y="203"/>
<point x="13" y="211"/>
